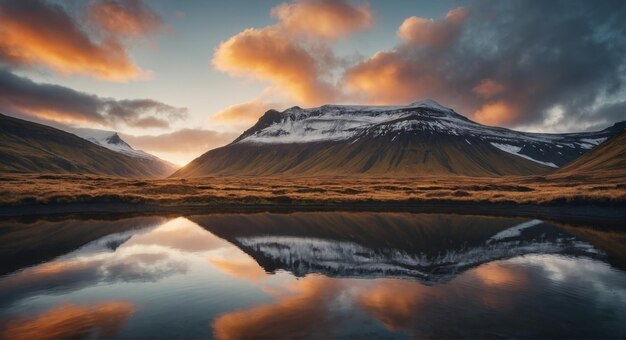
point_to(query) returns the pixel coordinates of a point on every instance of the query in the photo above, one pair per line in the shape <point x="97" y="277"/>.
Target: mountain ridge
<point x="422" y="138"/>
<point x="112" y="141"/>
<point x="608" y="157"/>
<point x="29" y="147"/>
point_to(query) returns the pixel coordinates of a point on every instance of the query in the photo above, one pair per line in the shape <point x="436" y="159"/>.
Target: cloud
<point x="488" y="88"/>
<point x="496" y="113"/>
<point x="34" y="33"/>
<point x="395" y="311"/>
<point x="271" y="55"/>
<point x="293" y="54"/>
<point x="244" y="115"/>
<point x="72" y="321"/>
<point x="505" y="63"/>
<point x="305" y="313"/>
<point x="65" y="105"/>
<point x="494" y="285"/>
<point x="242" y="268"/>
<point x="421" y="31"/>
<point x="129" y="265"/>
<point x="326" y="19"/>
<point x="411" y="71"/>
<point x="389" y="77"/>
<point x="125" y="17"/>
<point x="181" y="141"/>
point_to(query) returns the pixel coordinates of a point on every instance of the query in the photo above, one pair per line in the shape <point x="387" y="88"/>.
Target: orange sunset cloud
<point x="125" y="17"/>
<point x="71" y="321"/>
<point x="243" y="115"/>
<point x="304" y="313"/>
<point x="497" y="275"/>
<point x="392" y="77"/>
<point x="496" y="113"/>
<point x="243" y="268"/>
<point x="387" y="78"/>
<point x="415" y="30"/>
<point x="269" y="54"/>
<point x="385" y="304"/>
<point x="488" y="88"/>
<point x="296" y="66"/>
<point x="327" y="19"/>
<point x="34" y="33"/>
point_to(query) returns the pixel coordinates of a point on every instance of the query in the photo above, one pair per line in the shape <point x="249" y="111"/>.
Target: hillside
<point x="609" y="156"/>
<point x="423" y="138"/>
<point x="367" y="245"/>
<point x="112" y="141"/>
<point x="27" y="147"/>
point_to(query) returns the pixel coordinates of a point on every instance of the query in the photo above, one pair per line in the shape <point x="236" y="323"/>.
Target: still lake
<point x="310" y="275"/>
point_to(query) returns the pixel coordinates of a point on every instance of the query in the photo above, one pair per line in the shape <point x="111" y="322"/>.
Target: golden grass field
<point x="34" y="189"/>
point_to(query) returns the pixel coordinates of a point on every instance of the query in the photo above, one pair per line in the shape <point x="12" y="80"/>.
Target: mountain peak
<point x="430" y="103"/>
<point x="110" y="140"/>
<point x="422" y="138"/>
<point x="116" y="140"/>
<point x="343" y="122"/>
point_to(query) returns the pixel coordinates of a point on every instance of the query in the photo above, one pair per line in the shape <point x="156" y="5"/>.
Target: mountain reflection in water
<point x="319" y="275"/>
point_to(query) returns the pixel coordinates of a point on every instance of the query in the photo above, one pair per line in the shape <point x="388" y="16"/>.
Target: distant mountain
<point x="30" y="147"/>
<point x="423" y="138"/>
<point x="608" y="157"/>
<point x="112" y="141"/>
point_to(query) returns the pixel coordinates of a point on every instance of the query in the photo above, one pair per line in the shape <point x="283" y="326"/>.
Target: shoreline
<point x="597" y="199"/>
<point x="598" y="215"/>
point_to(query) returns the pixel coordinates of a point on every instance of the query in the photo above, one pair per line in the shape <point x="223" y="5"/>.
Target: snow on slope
<point x="514" y="231"/>
<point x="332" y="122"/>
<point x="302" y="256"/>
<point x="349" y="122"/>
<point x="112" y="141"/>
<point x="512" y="149"/>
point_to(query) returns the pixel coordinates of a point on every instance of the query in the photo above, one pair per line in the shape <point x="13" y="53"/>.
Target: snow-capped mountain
<point x="110" y="140"/>
<point x="418" y="139"/>
<point x="302" y="256"/>
<point x="432" y="251"/>
<point x="35" y="148"/>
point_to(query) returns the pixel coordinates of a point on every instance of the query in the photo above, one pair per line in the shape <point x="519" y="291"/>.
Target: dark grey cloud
<point x="58" y="103"/>
<point x="511" y="62"/>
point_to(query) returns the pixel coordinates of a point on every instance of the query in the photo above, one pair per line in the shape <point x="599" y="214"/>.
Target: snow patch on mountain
<point x="302" y="256"/>
<point x="112" y="141"/>
<point x="595" y="141"/>
<point x="337" y="123"/>
<point x="515" y="231"/>
<point x="342" y="122"/>
<point x="512" y="149"/>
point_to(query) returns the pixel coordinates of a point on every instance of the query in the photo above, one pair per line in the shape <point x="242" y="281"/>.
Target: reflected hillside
<point x="325" y="275"/>
<point x="38" y="241"/>
<point x="429" y="247"/>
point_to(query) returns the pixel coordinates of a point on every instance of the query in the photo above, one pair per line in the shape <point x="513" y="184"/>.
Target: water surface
<point x="316" y="275"/>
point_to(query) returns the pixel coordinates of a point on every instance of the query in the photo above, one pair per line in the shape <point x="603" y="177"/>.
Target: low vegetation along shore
<point x="40" y="191"/>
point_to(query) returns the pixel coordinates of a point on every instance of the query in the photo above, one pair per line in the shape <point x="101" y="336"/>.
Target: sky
<point x="177" y="78"/>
